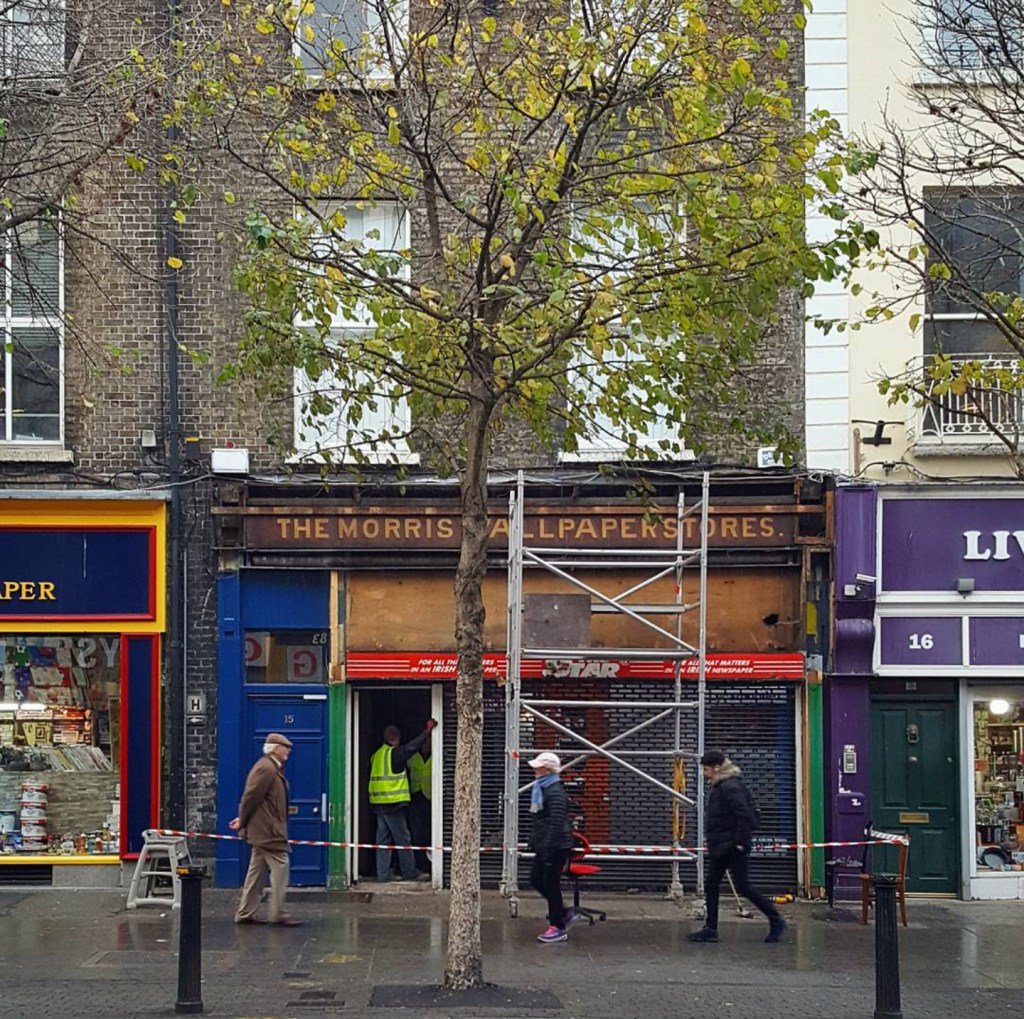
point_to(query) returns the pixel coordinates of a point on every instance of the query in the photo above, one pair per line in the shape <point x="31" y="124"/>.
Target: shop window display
<point x="999" y="784"/>
<point x="59" y="744"/>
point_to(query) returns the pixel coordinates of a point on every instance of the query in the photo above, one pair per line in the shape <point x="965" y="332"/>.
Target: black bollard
<point x="190" y="942"/>
<point x="887" y="949"/>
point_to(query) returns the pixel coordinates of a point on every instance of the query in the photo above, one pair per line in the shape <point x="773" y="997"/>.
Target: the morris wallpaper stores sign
<point x="78" y="573"/>
<point x="436" y="527"/>
<point x="927" y="544"/>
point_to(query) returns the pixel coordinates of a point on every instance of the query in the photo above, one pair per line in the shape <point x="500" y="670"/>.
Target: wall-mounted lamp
<point x="878" y="437"/>
<point x="964" y="585"/>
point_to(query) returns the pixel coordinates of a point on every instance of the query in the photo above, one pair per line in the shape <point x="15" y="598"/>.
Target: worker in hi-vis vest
<point x="390" y="797"/>
<point x="421" y="771"/>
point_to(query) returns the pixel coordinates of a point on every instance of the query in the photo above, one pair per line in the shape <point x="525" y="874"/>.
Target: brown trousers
<point x="262" y="860"/>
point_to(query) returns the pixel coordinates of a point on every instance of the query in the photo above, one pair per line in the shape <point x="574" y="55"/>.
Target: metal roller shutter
<point x="754" y="723"/>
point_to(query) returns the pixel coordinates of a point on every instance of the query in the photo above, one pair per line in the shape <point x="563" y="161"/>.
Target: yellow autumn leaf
<point x="174" y="262"/>
<point x="508" y="262"/>
<point x="334" y="273"/>
<point x="264" y="27"/>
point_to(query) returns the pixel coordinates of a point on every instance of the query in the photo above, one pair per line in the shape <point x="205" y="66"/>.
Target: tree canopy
<point x="583" y="220"/>
<point x="579" y="219"/>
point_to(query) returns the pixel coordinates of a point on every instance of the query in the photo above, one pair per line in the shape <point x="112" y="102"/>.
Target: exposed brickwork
<point x="116" y="387"/>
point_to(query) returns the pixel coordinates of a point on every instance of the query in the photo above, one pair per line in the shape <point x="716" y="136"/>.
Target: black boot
<point x="776" y="928"/>
<point x="704" y="934"/>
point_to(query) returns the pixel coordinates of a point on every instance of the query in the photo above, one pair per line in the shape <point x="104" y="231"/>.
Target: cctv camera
<point x="863" y="578"/>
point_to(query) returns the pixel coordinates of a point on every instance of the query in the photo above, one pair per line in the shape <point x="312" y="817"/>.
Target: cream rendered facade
<point x="863" y="60"/>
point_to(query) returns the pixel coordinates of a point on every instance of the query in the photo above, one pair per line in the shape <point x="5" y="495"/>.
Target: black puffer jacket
<point x="551" y="830"/>
<point x="731" y="818"/>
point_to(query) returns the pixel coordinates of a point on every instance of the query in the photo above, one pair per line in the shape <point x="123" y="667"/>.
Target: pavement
<point x="79" y="953"/>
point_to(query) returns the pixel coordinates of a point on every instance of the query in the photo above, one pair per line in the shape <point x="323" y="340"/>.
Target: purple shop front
<point x="929" y="595"/>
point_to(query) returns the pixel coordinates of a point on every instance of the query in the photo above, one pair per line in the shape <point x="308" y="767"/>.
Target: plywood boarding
<point x="754" y="610"/>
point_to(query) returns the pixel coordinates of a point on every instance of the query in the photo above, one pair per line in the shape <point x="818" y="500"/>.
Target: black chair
<point x="577" y="868"/>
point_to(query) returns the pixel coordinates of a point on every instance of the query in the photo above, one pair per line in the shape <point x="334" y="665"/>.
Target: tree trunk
<point x="463" y="966"/>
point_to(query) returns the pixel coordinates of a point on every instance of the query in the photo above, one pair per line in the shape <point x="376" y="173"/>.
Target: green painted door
<point x="914" y="790"/>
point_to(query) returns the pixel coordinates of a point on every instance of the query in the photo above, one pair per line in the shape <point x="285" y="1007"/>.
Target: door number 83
<point x="921" y="642"/>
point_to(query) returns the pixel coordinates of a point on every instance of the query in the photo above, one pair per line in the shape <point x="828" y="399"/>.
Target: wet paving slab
<point x="79" y="953"/>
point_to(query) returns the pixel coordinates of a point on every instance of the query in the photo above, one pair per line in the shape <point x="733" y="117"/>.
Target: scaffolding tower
<point x="652" y="564"/>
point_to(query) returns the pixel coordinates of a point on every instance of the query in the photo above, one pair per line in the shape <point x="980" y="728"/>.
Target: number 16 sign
<point x="921" y="640"/>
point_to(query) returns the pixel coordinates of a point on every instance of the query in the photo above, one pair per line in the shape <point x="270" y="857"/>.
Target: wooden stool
<point x="867" y="891"/>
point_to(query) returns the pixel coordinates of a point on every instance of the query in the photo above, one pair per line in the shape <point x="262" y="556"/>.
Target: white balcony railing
<point x="967" y="418"/>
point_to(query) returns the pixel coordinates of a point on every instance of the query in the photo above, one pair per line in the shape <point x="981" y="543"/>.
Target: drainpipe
<point x="174" y="692"/>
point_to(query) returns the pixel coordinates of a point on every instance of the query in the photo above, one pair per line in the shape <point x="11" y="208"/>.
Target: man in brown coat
<point x="263" y="822"/>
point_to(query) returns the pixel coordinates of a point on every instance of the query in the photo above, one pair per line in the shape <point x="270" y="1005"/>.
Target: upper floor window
<point x="335" y="415"/>
<point x="33" y="304"/>
<point x="970" y="35"/>
<point x="332" y="33"/>
<point x="617" y="252"/>
<point x="32" y="40"/>
<point x="976" y="252"/>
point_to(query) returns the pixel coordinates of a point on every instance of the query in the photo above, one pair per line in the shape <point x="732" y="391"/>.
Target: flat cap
<point x="279" y="740"/>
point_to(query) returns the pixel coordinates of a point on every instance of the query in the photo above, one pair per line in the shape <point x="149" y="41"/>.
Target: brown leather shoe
<point x="250" y="919"/>
<point x="287" y="922"/>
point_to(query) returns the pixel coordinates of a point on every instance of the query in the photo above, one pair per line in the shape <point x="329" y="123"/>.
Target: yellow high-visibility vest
<point x="386" y="786"/>
<point x="420" y="771"/>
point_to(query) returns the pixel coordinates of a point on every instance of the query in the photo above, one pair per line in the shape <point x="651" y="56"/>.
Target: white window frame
<point x="396" y="412"/>
<point x="25" y="75"/>
<point x="934" y="317"/>
<point x="400" y="11"/>
<point x="605" y="446"/>
<point x="977" y="883"/>
<point x="9" y="324"/>
<point x="935" y="70"/>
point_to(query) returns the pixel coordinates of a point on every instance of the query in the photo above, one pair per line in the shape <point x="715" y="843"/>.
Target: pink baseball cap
<point x="546" y="760"/>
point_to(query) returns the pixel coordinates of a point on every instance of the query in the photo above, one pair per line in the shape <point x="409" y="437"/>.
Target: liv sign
<point x="927" y="544"/>
<point x="996" y="546"/>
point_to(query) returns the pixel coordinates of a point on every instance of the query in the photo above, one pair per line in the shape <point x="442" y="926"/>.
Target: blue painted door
<point x="302" y="717"/>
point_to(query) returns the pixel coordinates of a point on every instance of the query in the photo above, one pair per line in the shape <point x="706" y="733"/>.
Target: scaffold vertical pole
<point x="513" y="677"/>
<point x="705" y="500"/>
<point x="676" y="888"/>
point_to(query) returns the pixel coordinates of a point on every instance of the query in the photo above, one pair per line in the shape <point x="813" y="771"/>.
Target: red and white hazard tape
<point x="878" y="838"/>
<point x="316" y="842"/>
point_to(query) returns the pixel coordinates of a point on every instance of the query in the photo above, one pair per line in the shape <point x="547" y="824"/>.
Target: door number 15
<point x="921" y="642"/>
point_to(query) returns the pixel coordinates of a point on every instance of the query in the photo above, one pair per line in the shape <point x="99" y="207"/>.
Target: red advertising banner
<point x="440" y="665"/>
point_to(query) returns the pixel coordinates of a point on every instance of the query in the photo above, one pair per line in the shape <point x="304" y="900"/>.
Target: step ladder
<point x="155" y="881"/>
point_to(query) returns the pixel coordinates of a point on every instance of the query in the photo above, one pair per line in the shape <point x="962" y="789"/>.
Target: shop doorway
<point x="409" y="707"/>
<point x="914" y="790"/>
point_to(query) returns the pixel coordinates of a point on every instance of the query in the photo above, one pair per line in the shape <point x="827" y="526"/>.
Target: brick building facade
<point x="121" y="300"/>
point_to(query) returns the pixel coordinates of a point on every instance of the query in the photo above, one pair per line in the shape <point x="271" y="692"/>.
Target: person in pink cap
<point x="550" y="841"/>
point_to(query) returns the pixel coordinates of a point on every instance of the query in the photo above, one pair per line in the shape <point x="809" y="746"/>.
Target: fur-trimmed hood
<point x="725" y="770"/>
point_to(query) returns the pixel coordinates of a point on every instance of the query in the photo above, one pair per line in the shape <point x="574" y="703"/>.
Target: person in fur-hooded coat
<point x="730" y="821"/>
